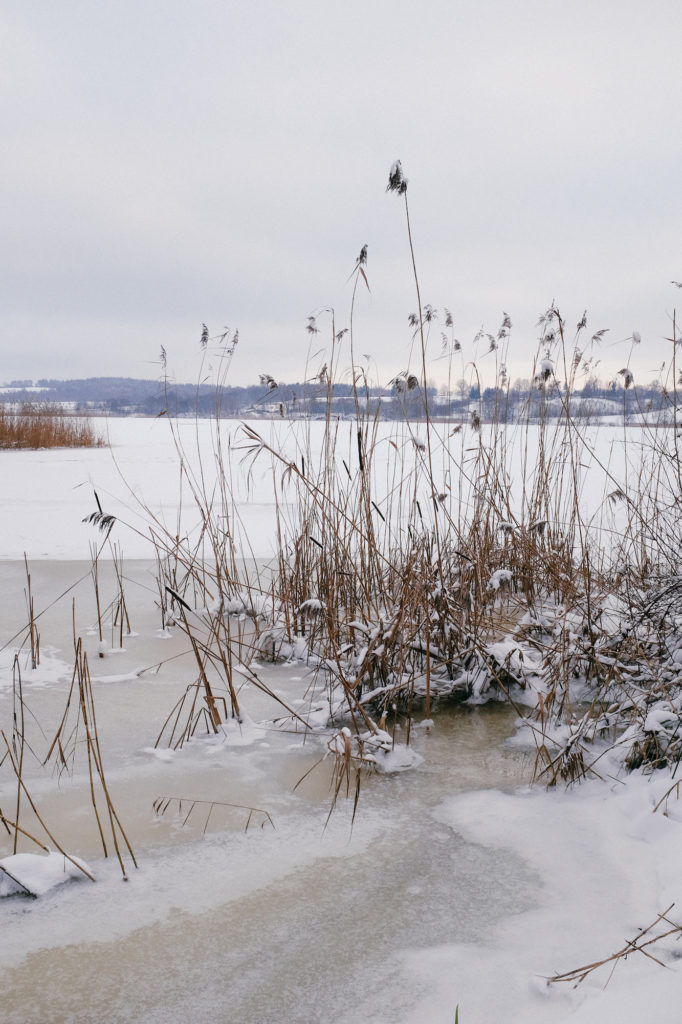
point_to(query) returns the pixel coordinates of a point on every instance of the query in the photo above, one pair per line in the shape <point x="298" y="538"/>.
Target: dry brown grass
<point x="41" y="425"/>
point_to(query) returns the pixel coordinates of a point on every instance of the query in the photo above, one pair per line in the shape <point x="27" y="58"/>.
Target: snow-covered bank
<point x="608" y="865"/>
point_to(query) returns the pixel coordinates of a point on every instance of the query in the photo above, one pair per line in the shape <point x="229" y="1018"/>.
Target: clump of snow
<point x="400" y="758"/>
<point x="35" y="874"/>
<point x="242" y="604"/>
<point x="499" y="578"/>
<point x="374" y="749"/>
<point x="319" y="714"/>
<point x="312" y="606"/>
<point x="664" y="719"/>
<point x="122" y="677"/>
<point x="237" y="732"/>
<point x="299" y="649"/>
<point x="160" y="753"/>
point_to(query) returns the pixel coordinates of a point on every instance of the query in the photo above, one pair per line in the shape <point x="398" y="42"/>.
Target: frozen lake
<point x="47" y="494"/>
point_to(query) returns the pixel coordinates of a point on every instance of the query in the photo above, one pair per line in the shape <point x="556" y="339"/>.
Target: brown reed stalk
<point x="94" y="555"/>
<point x="18" y="735"/>
<point x="121" y="608"/>
<point x="34" y="635"/>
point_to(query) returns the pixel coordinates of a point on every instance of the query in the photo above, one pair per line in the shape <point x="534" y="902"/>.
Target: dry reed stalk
<point x="635" y="945"/>
<point x="121" y="608"/>
<point x="18" y="735"/>
<point x="34" y="635"/>
<point x="346" y="764"/>
<point x="13" y="826"/>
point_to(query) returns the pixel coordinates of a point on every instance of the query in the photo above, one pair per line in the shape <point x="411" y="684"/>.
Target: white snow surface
<point x="48" y="493"/>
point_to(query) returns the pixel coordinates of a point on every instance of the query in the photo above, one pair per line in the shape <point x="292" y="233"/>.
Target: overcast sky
<point x="166" y="164"/>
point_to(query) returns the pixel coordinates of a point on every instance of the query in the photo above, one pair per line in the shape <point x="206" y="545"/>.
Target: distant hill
<point x="127" y="396"/>
<point x="94" y="394"/>
<point x="402" y="398"/>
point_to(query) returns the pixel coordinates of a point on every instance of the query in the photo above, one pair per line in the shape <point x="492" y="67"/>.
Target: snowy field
<point x="459" y="884"/>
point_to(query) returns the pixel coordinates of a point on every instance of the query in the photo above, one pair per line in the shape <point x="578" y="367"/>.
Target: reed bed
<point x="42" y="425"/>
<point x="419" y="563"/>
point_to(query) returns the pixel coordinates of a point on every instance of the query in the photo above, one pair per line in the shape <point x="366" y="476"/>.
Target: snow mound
<point x="399" y="759"/>
<point x="35" y="874"/>
<point x="236" y="732"/>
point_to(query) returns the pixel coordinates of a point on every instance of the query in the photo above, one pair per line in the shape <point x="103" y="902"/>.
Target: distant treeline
<point x="402" y="398"/>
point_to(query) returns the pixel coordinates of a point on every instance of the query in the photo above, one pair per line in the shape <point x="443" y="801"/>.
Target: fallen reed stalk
<point x="163" y="803"/>
<point x="579" y="974"/>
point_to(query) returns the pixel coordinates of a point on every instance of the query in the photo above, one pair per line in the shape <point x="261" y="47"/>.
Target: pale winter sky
<point x="169" y="163"/>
